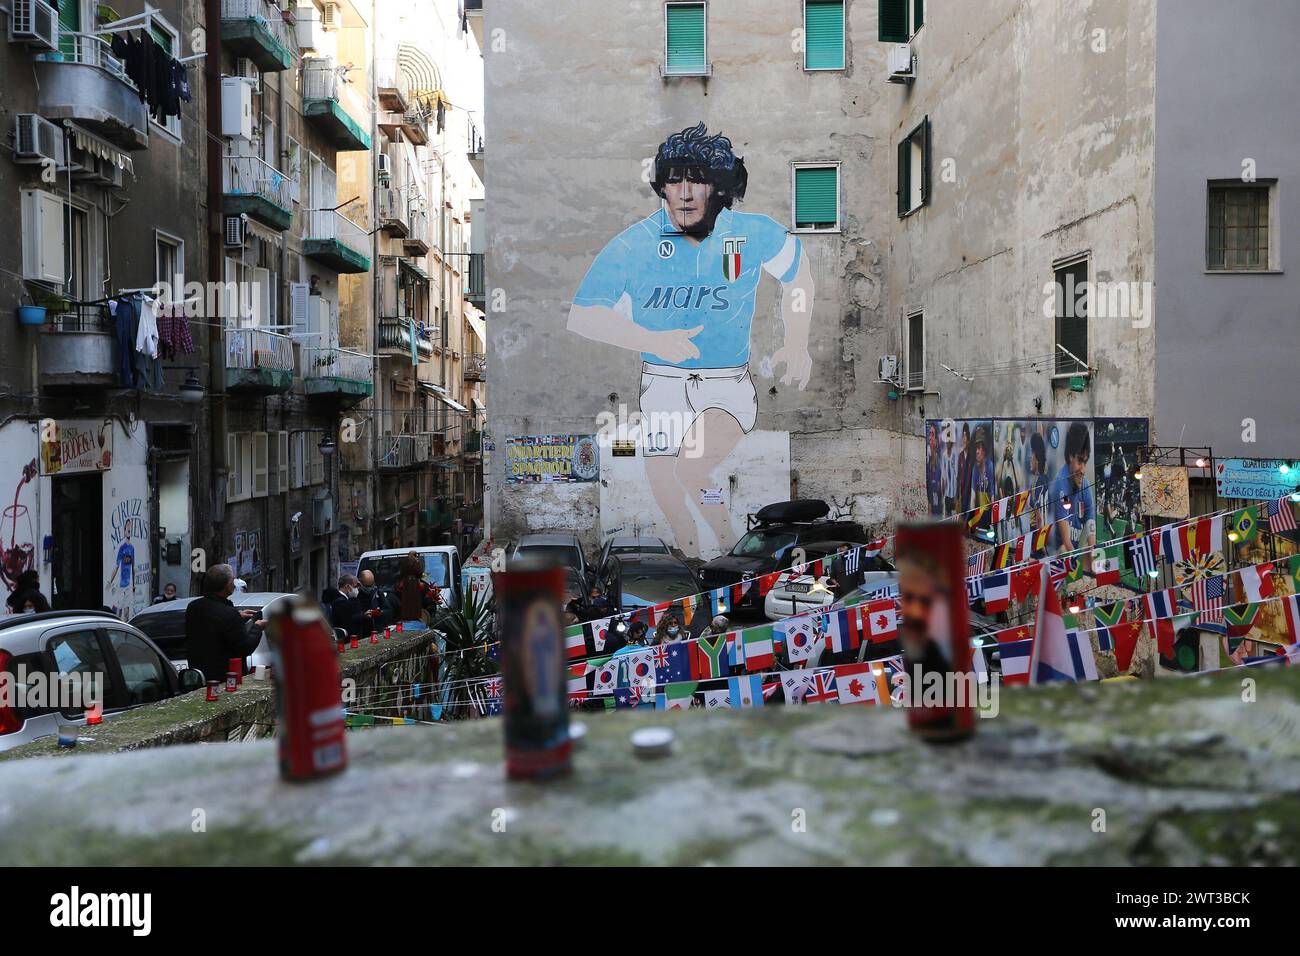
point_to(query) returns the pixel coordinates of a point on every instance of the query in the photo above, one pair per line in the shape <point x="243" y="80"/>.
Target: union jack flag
<point x="1207" y="597"/>
<point x="1280" y="517"/>
<point x="823" y="688"/>
<point x="492" y="687"/>
<point x="660" y="652"/>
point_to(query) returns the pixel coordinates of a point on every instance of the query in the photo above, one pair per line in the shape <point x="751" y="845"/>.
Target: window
<point x="169" y="40"/>
<point x="1238" y="235"/>
<point x="76" y="254"/>
<point x="823" y="25"/>
<point x="684" y="40"/>
<point x="240" y="460"/>
<point x="144" y="673"/>
<point x="914" y="169"/>
<point x="80" y="654"/>
<point x="1071" y="280"/>
<point x="900" y="19"/>
<point x="817" y="198"/>
<point x="915" y="351"/>
<point x="169" y="268"/>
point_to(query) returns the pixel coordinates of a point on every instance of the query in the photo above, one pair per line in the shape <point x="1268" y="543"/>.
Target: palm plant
<point x="468" y="631"/>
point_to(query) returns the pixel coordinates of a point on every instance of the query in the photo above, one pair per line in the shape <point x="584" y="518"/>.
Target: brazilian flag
<point x="1245" y="523"/>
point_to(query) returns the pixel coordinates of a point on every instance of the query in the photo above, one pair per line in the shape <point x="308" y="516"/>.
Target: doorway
<point x="77" y="514"/>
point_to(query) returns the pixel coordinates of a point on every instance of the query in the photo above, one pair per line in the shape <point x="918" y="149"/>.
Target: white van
<point x="441" y="569"/>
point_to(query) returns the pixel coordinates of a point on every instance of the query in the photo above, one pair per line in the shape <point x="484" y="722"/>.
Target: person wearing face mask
<point x="669" y="630"/>
<point x="346" y="611"/>
<point x="28" y="592"/>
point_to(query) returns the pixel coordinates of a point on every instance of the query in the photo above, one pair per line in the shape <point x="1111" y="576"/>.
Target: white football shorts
<point x="673" y="398"/>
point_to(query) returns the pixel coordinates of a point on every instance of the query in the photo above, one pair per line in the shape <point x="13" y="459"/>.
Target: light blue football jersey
<point x="663" y="280"/>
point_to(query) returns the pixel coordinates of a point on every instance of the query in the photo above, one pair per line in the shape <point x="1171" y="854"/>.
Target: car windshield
<point x="385" y="568"/>
<point x="648" y="548"/>
<point x="560" y="553"/>
<point x="762" y="542"/>
<point x="658" y="583"/>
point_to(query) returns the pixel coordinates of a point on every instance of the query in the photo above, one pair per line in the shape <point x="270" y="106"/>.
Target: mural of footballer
<point x="678" y="287"/>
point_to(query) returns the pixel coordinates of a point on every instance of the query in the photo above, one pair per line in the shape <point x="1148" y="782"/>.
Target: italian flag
<point x="1106" y="564"/>
<point x="757" y="644"/>
<point x="575" y="642"/>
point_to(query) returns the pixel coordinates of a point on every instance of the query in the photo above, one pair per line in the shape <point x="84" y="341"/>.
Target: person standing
<point x="215" y="631"/>
<point x="27" y="597"/>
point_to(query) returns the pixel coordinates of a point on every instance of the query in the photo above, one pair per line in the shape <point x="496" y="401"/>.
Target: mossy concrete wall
<point x="249" y="713"/>
<point x="1200" y="770"/>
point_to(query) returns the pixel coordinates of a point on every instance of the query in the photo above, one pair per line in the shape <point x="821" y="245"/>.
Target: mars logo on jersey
<point x="731" y="258"/>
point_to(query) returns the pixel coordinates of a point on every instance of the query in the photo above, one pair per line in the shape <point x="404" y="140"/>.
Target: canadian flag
<point x="856" y="684"/>
<point x="1257" y="582"/>
<point x="882" y="621"/>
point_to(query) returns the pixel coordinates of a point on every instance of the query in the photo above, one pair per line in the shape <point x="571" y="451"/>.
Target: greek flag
<point x="1141" y="557"/>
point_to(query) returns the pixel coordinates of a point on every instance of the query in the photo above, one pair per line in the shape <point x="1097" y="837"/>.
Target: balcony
<point x="400" y="336"/>
<point x="394" y="212"/>
<point x="475" y="367"/>
<point x="333" y="104"/>
<point x="474" y="16"/>
<point x="78" y="350"/>
<point x="476" y="281"/>
<point x="476" y="144"/>
<point x="337" y="373"/>
<point x="258" y="361"/>
<point x="392" y="87"/>
<point x="84" y="82"/>
<point x="257" y="30"/>
<point x="397" y="451"/>
<point x="336" y="241"/>
<point x="417" y="236"/>
<point x="438" y="518"/>
<point x="254" y="188"/>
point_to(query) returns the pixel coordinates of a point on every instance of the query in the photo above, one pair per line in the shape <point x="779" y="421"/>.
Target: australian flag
<point x="672" y="662"/>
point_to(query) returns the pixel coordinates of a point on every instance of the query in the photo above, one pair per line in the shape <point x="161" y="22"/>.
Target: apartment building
<point x="295" y="354"/>
<point x="973" y="190"/>
<point x="102" y="441"/>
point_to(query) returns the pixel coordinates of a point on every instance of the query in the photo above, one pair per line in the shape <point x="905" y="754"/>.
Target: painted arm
<point x="603" y="324"/>
<point x="796" y="316"/>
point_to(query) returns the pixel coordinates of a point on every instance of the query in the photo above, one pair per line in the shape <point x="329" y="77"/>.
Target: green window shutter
<point x="893" y="21"/>
<point x="816" y="194"/>
<point x="904" y="177"/>
<point x="69" y="23"/>
<point x="918" y="14"/>
<point x="685" y="52"/>
<point x="823" y="35"/>
<point x="925" y="161"/>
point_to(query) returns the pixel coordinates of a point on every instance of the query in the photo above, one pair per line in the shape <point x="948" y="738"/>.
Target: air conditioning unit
<point x="35" y="23"/>
<point x="901" y="63"/>
<point x="236" y="107"/>
<point x="331" y="17"/>
<point x="246" y="69"/>
<point x="111" y="174"/>
<point x="888" y="368"/>
<point x="384" y="166"/>
<point x="234" y="232"/>
<point x="37" y="140"/>
<point x="322" y="515"/>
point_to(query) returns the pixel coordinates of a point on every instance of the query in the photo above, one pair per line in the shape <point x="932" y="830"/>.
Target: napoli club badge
<point x="731" y="258"/>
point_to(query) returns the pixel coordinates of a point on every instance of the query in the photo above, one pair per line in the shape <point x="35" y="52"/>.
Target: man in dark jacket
<point x="846" y="570"/>
<point x="215" y="631"/>
<point x="346" y="611"/>
<point x="374" y="603"/>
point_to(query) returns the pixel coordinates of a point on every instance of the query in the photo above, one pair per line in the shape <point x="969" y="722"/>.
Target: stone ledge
<point x="191" y="718"/>
<point x="1186" y="772"/>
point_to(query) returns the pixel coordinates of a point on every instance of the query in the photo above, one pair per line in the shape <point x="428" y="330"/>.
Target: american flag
<point x="1280" y="517"/>
<point x="1141" y="556"/>
<point x="1206" y="596"/>
<point x="978" y="563"/>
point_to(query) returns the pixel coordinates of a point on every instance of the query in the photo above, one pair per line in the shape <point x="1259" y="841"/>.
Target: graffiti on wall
<point x="970" y="463"/>
<point x="678" y="288"/>
<point x="129" y="578"/>
<point x="18" y="529"/>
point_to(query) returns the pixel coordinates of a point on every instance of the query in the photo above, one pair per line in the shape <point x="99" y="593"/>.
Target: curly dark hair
<point x="710" y="156"/>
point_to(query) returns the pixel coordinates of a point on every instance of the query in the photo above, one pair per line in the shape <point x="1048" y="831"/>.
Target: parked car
<point x="135" y="671"/>
<point x="799" y="593"/>
<point x="164" y="624"/>
<point x="769" y="545"/>
<point x="563" y="549"/>
<point x="441" y="569"/>
<point x="641" y="580"/>
<point x="628" y="544"/>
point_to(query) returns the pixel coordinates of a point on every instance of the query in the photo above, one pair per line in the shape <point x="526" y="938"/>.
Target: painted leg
<point x="672" y="501"/>
<point x="708" y="442"/>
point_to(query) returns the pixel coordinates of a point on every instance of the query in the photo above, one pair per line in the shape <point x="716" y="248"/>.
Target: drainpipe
<point x="216" y="246"/>
<point x="376" y="290"/>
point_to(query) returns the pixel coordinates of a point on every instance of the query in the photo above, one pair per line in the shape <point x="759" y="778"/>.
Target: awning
<point x="478" y="325"/>
<point x="451" y="403"/>
<point x="478" y="406"/>
<point x="410" y="266"/>
<point x="436" y="389"/>
<point x="96" y="146"/>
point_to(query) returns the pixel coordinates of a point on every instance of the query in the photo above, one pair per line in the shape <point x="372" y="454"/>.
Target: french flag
<point x="997" y="591"/>
<point x="1058" y="654"/>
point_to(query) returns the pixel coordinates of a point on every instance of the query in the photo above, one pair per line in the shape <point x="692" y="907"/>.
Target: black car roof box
<point x="801" y="509"/>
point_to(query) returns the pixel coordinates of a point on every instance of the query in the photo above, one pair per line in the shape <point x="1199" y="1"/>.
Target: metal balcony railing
<point x="393" y="206"/>
<point x="475" y="285"/>
<point x="323" y="80"/>
<point x="253" y="348"/>
<point x="335" y="363"/>
<point x="330" y="224"/>
<point x="475" y="136"/>
<point x="417" y="224"/>
<point x="253" y="176"/>
<point x="475" y="367"/>
<point x="264" y="12"/>
<point x="90" y="50"/>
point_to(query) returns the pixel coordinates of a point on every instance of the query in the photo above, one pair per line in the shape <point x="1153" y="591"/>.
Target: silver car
<point x="43" y="655"/>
